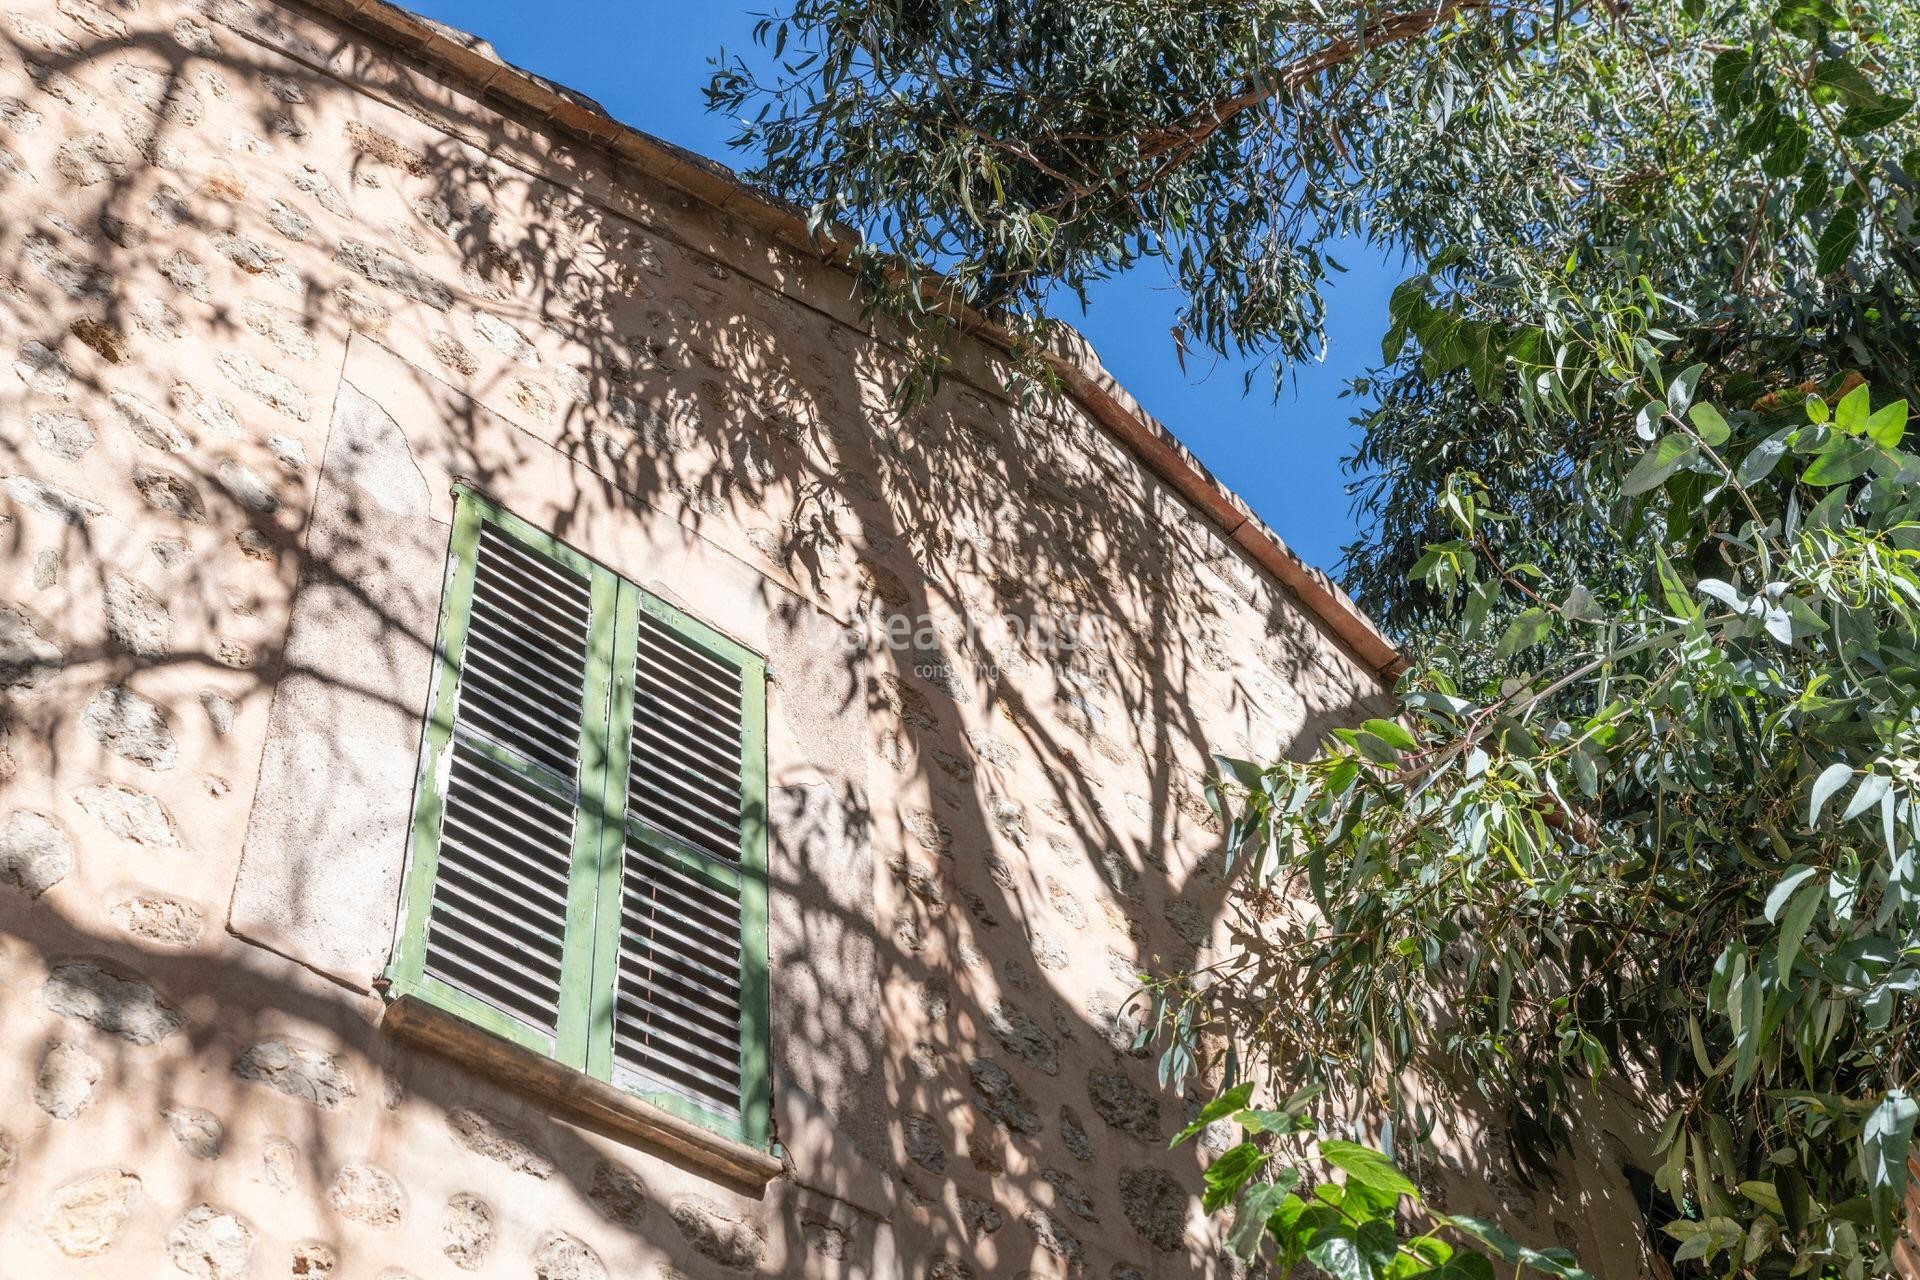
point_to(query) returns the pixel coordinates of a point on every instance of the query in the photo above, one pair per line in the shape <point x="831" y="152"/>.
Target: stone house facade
<point x="317" y="316"/>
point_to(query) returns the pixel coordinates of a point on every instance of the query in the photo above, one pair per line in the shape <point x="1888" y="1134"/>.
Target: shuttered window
<point x="588" y="866"/>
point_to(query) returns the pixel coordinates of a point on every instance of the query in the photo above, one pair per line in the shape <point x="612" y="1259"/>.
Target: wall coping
<point x="472" y="64"/>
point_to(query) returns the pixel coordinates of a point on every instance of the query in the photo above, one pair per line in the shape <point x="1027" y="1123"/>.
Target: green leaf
<point x="1868" y="794"/>
<point x="1852" y="413"/>
<point x="1888" y="425"/>
<point x="1680" y="602"/>
<point x="1707" y="421"/>
<point x="1841" y="462"/>
<point x="1762" y="458"/>
<point x="1783" y="890"/>
<point x="1694" y="1246"/>
<point x="1486" y="1233"/>
<point x="1659" y="462"/>
<point x="1885" y="1138"/>
<point x="1369" y="1171"/>
<point x="1680" y="390"/>
<point x="1270" y="1121"/>
<point x="1373" y="748"/>
<point x="1465" y="1264"/>
<point x="1224" y="1105"/>
<point x="1837" y="80"/>
<point x="1580" y="606"/>
<point x="1831" y="779"/>
<point x="1794" y="925"/>
<point x="1250" y="1213"/>
<point x="1393" y="734"/>
<point x="1527" y="629"/>
<point x="1586" y="774"/>
<point x="1796" y="1201"/>
<point x="1348" y="1252"/>
<point x="1729" y="68"/>
<point x="1837" y="240"/>
<point x="1864" y="118"/>
<point x="1229" y="1172"/>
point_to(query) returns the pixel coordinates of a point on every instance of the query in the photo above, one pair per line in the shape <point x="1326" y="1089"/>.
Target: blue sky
<point x="647" y="63"/>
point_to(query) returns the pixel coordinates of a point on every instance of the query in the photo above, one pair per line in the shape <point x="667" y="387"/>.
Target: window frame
<point x="583" y="1035"/>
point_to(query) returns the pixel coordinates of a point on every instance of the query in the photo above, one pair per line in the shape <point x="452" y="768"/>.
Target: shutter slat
<point x="452" y="950"/>
<point x="662" y="641"/>
<point x="533" y="843"/>
<point x="665" y="930"/>
<point x="686" y="821"/>
<point x="702" y="716"/>
<point x="484" y="718"/>
<point x="495" y="838"/>
<point x="561" y="585"/>
<point x="681" y="968"/>
<point x="489" y="902"/>
<point x="686" y="776"/>
<point x="543" y="894"/>
<point x="692" y="1016"/>
<point x="556" y="651"/>
<point x="513" y="962"/>
<point x="695" y="761"/>
<point x="678" y="1014"/>
<point x="657" y="1053"/>
<point x="534" y="612"/>
<point x="515" y="690"/>
<point x="718" y="907"/>
<point x="497" y="917"/>
<point x="525" y="677"/>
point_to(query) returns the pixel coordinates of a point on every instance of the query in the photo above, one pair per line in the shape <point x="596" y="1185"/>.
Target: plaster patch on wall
<point x="326" y="844"/>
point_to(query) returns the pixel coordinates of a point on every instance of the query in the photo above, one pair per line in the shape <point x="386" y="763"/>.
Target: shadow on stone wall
<point x="1031" y="1128"/>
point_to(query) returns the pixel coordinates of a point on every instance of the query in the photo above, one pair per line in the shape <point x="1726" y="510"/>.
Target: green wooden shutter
<point x="588" y="867"/>
<point x="503" y="879"/>
<point x="687" y="941"/>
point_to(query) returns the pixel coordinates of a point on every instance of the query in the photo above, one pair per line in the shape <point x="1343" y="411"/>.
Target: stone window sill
<point x="593" y="1101"/>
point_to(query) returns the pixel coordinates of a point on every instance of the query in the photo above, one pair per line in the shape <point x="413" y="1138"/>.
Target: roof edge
<point x="473" y="63"/>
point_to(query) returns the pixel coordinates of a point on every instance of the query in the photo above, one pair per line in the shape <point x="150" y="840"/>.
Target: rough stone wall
<point x="238" y="240"/>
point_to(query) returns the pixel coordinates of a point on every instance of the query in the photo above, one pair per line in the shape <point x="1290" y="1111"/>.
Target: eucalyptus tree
<point x="1638" y="505"/>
